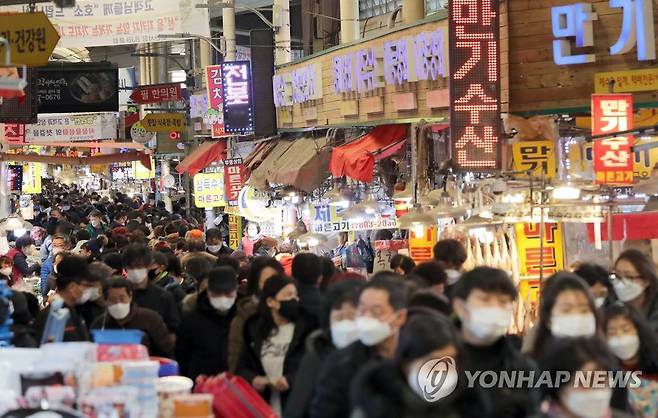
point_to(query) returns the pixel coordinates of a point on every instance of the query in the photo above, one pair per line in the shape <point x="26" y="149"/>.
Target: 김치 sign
<point x="613" y="157"/>
<point x="475" y="84"/>
<point x="233" y="179"/>
<point x="209" y="190"/>
<point x="157" y="93"/>
<point x="32" y="38"/>
<point x="215" y="99"/>
<point x="238" y="100"/>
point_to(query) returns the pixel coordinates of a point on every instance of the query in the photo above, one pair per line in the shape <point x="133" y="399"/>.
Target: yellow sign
<point x="142" y="173"/>
<point x="234" y="231"/>
<point x="535" y="157"/>
<point x="209" y="190"/>
<point x="528" y="245"/>
<point x="580" y="159"/>
<point x="626" y="81"/>
<point x="32" y="38"/>
<point x="164" y="122"/>
<point x="421" y="243"/>
<point x="32" y="178"/>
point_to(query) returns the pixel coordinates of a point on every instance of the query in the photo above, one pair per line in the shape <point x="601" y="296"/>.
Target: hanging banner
<point x="528" y="245"/>
<point x="215" y="113"/>
<point x="234" y="231"/>
<point x="613" y="157"/>
<point x="157" y="93"/>
<point x="475" y="84"/>
<point x="233" y="180"/>
<point x="13" y="133"/>
<point x="421" y="243"/>
<point x="535" y="157"/>
<point x="31" y="36"/>
<point x="71" y="128"/>
<point x="238" y="98"/>
<point x="209" y="190"/>
<point x="107" y="23"/>
<point x="164" y="122"/>
<point x="327" y="218"/>
<point x="32" y="178"/>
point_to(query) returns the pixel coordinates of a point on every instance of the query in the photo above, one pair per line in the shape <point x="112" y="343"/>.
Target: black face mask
<point x="289" y="309"/>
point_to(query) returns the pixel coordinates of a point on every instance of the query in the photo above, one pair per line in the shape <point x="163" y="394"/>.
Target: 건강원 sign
<point x="475" y="84"/>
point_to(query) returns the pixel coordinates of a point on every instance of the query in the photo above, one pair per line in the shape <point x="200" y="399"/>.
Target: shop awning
<point x="202" y="157"/>
<point x="357" y="158"/>
<point x="257" y="155"/>
<point x="100" y="159"/>
<point x="301" y="163"/>
<point x="630" y="226"/>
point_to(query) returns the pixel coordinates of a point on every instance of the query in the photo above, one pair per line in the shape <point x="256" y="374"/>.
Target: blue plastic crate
<point x="117" y="336"/>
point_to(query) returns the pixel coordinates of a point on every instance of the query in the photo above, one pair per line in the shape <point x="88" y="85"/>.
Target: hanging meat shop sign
<point x="475" y="84"/>
<point x="157" y="93"/>
<point x="613" y="157"/>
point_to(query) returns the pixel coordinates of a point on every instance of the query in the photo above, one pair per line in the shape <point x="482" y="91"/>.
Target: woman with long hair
<point x="636" y="283"/>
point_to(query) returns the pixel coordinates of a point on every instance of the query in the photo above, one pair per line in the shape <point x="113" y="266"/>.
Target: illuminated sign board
<point x="238" y="99"/>
<point x="613" y="157"/>
<point x="475" y="84"/>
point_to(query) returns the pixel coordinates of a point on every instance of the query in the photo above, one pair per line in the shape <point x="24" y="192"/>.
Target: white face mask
<point x="624" y="347"/>
<point x="6" y="271"/>
<point x="221" y="303"/>
<point x="627" y="290"/>
<point x="599" y="301"/>
<point x="577" y="325"/>
<point x="95" y="223"/>
<point x="119" y="310"/>
<point x="344" y="333"/>
<point x="453" y="276"/>
<point x="372" y="331"/>
<point x="588" y="403"/>
<point x="214" y="248"/>
<point x="137" y="276"/>
<point x="92" y="294"/>
<point x="488" y="324"/>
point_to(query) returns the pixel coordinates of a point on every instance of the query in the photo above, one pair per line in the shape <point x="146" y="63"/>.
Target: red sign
<point x="216" y="98"/>
<point x="233" y="180"/>
<point x="14" y="133"/>
<point x="613" y="157"/>
<point x="475" y="84"/>
<point x="156" y="93"/>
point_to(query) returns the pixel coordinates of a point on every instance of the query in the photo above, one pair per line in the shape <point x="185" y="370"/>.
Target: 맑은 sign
<point x="74" y="88"/>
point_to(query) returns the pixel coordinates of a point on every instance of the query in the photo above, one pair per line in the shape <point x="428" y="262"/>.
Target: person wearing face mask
<point x="60" y="244"/>
<point x="566" y="310"/>
<point x="381" y="312"/>
<point x="202" y="340"/>
<point x="123" y="313"/>
<point x="70" y="272"/>
<point x="23" y="248"/>
<point x="337" y="331"/>
<point x="598" y="279"/>
<point x="451" y="255"/>
<point x="571" y="400"/>
<point x="483" y="300"/>
<point x="261" y="269"/>
<point x="159" y="275"/>
<point x="634" y="344"/>
<point x="636" y="283"/>
<point x="137" y="259"/>
<point x="274" y="342"/>
<point x="214" y="243"/>
<point x="96" y="225"/>
<point x="92" y="303"/>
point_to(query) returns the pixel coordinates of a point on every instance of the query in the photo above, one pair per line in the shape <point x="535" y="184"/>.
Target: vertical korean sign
<point x="215" y="99"/>
<point x="421" y="243"/>
<point x="613" y="157"/>
<point x="238" y="99"/>
<point x="234" y="231"/>
<point x="233" y="180"/>
<point x="475" y="84"/>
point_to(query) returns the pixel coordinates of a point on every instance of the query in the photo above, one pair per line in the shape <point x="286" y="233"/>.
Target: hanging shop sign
<point x="256" y="206"/>
<point x="198" y="105"/>
<point x="528" y="242"/>
<point x="157" y="93"/>
<point x="75" y="88"/>
<point x="31" y="36"/>
<point x="19" y="109"/>
<point x="234" y="231"/>
<point x="215" y="112"/>
<point x="32" y="178"/>
<point x="71" y="128"/>
<point x="613" y="162"/>
<point x="580" y="160"/>
<point x="233" y="179"/>
<point x="238" y="99"/>
<point x="535" y="157"/>
<point x="209" y="190"/>
<point x="576" y="22"/>
<point x="475" y="84"/>
<point x="107" y="23"/>
<point x="13" y="133"/>
<point x="326" y="218"/>
<point x="164" y="122"/>
<point x="630" y="81"/>
<point x="421" y="243"/>
<point x="15" y="174"/>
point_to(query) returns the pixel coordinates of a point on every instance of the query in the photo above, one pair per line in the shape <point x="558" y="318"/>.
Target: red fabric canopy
<point x="357" y="159"/>
<point x="202" y="157"/>
<point x="632" y="227"/>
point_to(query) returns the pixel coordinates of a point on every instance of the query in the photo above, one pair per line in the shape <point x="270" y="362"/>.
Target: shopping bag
<point x="234" y="397"/>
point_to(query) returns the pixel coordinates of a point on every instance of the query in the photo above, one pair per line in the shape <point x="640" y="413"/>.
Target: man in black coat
<point x="202" y="340"/>
<point x="307" y="272"/>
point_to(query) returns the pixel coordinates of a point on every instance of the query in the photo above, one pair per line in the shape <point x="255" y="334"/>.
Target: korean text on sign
<point x="613" y="157"/>
<point x="209" y="190"/>
<point x="216" y="97"/>
<point x="475" y="83"/>
<point x="528" y="237"/>
<point x="238" y="100"/>
<point x="233" y="179"/>
<point x="535" y="157"/>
